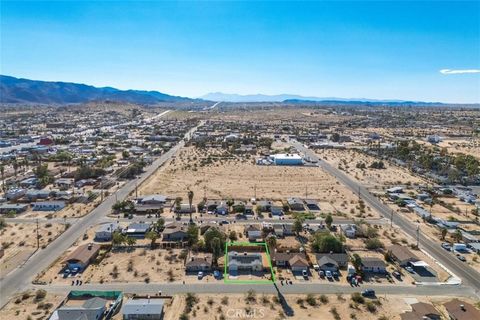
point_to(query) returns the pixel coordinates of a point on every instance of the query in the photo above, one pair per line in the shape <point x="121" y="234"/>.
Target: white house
<point x="48" y="206"/>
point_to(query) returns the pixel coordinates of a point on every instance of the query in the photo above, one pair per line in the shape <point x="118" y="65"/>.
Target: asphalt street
<point x="468" y="275"/>
<point x="21" y="277"/>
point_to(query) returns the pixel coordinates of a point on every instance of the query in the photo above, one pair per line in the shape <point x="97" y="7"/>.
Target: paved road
<point x="20" y="278"/>
<point x="296" y="288"/>
<point x="231" y="219"/>
<point x="461" y="269"/>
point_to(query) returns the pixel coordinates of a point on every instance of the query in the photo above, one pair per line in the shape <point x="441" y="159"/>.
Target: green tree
<point x="272" y="243"/>
<point x="329" y="221"/>
<point x="2" y="173"/>
<point x="457" y="236"/>
<point x="190" y="201"/>
<point x="298" y="225"/>
<point x="325" y="242"/>
<point x="117" y="239"/>
<point x="152" y="236"/>
<point x="192" y="235"/>
<point x="357" y="262"/>
<point x="444" y="233"/>
<point x="160" y="224"/>
<point x="216" y="247"/>
<point x="131" y="241"/>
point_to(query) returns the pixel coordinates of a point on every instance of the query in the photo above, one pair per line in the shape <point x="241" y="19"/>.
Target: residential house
<point x="175" y="232"/>
<point x="13" y="207"/>
<point x="64" y="183"/>
<point x="91" y="309"/>
<point x="253" y="232"/>
<point x="34" y="195"/>
<point x="184" y="208"/>
<point x="349" y="230"/>
<point x="331" y="261"/>
<point x="104" y="231"/>
<point x="211" y="206"/>
<point x="421" y="311"/>
<point x="29" y="182"/>
<point x="154" y="199"/>
<point x="373" y="265"/>
<point x="312" y="205"/>
<point x="246" y="261"/>
<point x="199" y="263"/>
<point x="48" y="206"/>
<point x="82" y="256"/>
<point x="143" y="309"/>
<point x="264" y="205"/>
<point x="276" y="210"/>
<point x="402" y="255"/>
<point x="222" y="208"/>
<point x="15" y="194"/>
<point x="137" y="230"/>
<point x="295" y="204"/>
<point x="294" y="261"/>
<point x="461" y="310"/>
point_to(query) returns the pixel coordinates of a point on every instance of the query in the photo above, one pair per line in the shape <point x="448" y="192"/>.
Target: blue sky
<point x="384" y="50"/>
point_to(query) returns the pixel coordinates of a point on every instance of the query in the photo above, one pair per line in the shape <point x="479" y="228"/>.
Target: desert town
<point x="226" y="211"/>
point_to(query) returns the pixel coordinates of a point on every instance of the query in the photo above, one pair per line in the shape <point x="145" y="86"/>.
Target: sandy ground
<point x="371" y="178"/>
<point x="24" y="305"/>
<point x="20" y="242"/>
<point x="470" y="146"/>
<point x="229" y="307"/>
<point x="241" y="179"/>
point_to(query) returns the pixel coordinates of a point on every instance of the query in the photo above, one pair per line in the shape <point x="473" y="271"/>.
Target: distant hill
<point x="291" y="98"/>
<point x="16" y="90"/>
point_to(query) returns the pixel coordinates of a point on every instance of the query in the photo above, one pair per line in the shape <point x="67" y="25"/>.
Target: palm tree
<point x="178" y="202"/>
<point x="444" y="233"/>
<point x="190" y="200"/>
<point x="272" y="243"/>
<point x="15" y="167"/>
<point x="2" y="172"/>
<point x="216" y="249"/>
<point x="152" y="236"/>
<point x="457" y="236"/>
<point x="117" y="239"/>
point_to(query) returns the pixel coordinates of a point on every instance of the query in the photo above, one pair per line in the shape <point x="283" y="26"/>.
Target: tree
<point x="117" y="239"/>
<point x="373" y="243"/>
<point x="192" y="235"/>
<point x="216" y="247"/>
<point x="232" y="236"/>
<point x="131" y="241"/>
<point x="357" y="262"/>
<point x="457" y="236"/>
<point x="160" y="224"/>
<point x="325" y="242"/>
<point x="15" y="167"/>
<point x="178" y="202"/>
<point x="272" y="243"/>
<point x="190" y="200"/>
<point x="444" y="233"/>
<point x="2" y="172"/>
<point x="152" y="236"/>
<point x="298" y="225"/>
<point x="329" y="220"/>
<point x="125" y="154"/>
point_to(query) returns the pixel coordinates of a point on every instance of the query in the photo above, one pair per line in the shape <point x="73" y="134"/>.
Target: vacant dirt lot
<point x="19" y="241"/>
<point x="211" y="173"/>
<point x="31" y="305"/>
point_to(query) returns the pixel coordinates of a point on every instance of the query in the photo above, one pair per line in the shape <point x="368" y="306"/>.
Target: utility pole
<point x="38" y="238"/>
<point x="306" y="193"/>
<point x="418" y="235"/>
<point x="136" y="189"/>
<point x="359" y="194"/>
<point x="255" y="192"/>
<point x="391" y="219"/>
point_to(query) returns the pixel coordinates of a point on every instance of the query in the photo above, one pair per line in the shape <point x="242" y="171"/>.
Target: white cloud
<point x="453" y="71"/>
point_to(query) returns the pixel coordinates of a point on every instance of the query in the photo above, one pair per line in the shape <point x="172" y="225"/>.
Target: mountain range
<point x="25" y="91"/>
<point x="17" y="90"/>
<point x="292" y="98"/>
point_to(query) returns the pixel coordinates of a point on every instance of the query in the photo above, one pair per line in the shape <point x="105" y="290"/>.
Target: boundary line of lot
<point x="253" y="244"/>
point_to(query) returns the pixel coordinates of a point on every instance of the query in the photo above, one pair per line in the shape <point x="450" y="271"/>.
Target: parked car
<point x="335" y="274"/>
<point x="305" y="274"/>
<point x="397" y="275"/>
<point x="321" y="274"/>
<point x="66" y="273"/>
<point x="217" y="274"/>
<point x="368" y="293"/>
<point x="328" y="274"/>
<point x="446" y="246"/>
<point x="409" y="269"/>
<point x="200" y="275"/>
<point x="461" y="258"/>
